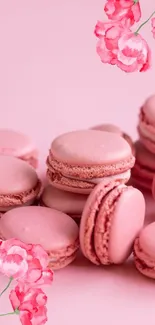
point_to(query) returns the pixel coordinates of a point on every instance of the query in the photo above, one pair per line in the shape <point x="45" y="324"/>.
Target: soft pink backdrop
<point x="52" y="81"/>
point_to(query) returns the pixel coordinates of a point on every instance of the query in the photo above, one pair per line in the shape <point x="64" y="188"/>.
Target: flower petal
<point x="106" y="56"/>
<point x="123" y="10"/>
<point x="46" y="277"/>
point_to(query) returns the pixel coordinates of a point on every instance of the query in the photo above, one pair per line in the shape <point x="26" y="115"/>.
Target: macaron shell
<point x="142" y="172"/>
<point x="139" y="180"/>
<point x="74" y="148"/>
<point x="117" y="225"/>
<point x="149" y="109"/>
<point x="127" y="221"/>
<point x="55" y="231"/>
<point x="31" y="158"/>
<point x="66" y="202"/>
<point x="146" y="131"/>
<point x="130" y="142"/>
<point x="144" y="156"/>
<point x="108" y="128"/>
<point x="115" y="129"/>
<point x="14" y="143"/>
<point x="141" y="183"/>
<point x="147" y="141"/>
<point x="50" y="228"/>
<point x="146" y="125"/>
<point x="16" y="176"/>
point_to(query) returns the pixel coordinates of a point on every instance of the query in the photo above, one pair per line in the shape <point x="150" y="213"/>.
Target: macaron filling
<point x="56" y="177"/>
<point x="125" y="175"/>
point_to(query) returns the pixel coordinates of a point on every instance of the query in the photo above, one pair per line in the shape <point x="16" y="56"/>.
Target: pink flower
<point x="26" y="263"/>
<point x="117" y="45"/>
<point x="31" y="303"/>
<point x="102" y="27"/>
<point x="125" y="10"/>
<point x="133" y="53"/>
<point x="109" y="34"/>
<point x="153" y="26"/>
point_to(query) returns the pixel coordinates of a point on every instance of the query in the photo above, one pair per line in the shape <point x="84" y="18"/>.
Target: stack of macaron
<point x="20" y="190"/>
<point x="96" y="163"/>
<point x="144" y="168"/>
<point x="87" y="173"/>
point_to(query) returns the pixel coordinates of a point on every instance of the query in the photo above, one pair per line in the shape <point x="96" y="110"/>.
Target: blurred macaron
<point x="115" y="129"/>
<point x="19" y="145"/>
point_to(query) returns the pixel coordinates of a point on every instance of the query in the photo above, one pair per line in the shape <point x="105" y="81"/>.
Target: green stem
<point x="8" y="285"/>
<point x="15" y="312"/>
<point x="135" y="1"/>
<point x="8" y="314"/>
<point x="145" y="22"/>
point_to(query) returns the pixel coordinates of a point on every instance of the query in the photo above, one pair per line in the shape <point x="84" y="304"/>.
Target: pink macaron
<point x="144" y="251"/>
<point x="67" y="202"/>
<point x="19" y="183"/>
<point x="55" y="231"/>
<point x="110" y="223"/>
<point x="115" y="129"/>
<point x="79" y="160"/>
<point x="144" y="168"/>
<point x="17" y="144"/>
<point x="146" y="125"/>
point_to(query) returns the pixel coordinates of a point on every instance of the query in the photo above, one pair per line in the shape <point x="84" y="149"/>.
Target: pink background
<point x="52" y="81"/>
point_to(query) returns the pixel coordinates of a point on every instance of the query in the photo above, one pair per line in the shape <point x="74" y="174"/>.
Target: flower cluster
<point x="117" y="43"/>
<point x="28" y="265"/>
